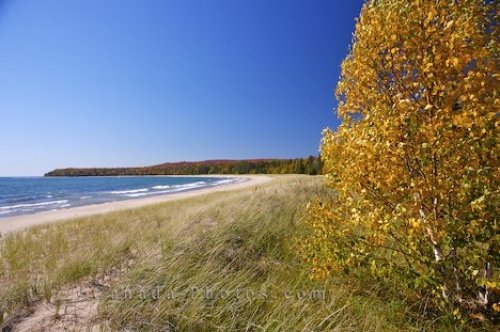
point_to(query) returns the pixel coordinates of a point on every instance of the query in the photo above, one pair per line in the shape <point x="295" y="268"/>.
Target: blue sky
<point x="129" y="83"/>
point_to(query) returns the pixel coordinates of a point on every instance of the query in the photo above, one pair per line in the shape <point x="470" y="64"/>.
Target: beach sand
<point x="13" y="224"/>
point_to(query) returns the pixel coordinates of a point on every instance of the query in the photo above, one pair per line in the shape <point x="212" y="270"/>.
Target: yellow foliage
<point x="416" y="158"/>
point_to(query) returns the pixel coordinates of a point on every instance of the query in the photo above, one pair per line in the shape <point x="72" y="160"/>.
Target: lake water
<point x="26" y="195"/>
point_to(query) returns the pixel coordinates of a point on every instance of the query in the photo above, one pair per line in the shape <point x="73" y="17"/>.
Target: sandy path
<point x="18" y="223"/>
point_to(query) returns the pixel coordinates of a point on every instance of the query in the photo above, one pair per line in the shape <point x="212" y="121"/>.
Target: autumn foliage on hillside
<point x="415" y="162"/>
<point x="311" y="165"/>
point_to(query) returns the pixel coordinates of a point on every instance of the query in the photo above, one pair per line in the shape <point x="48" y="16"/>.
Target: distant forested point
<point x="311" y="165"/>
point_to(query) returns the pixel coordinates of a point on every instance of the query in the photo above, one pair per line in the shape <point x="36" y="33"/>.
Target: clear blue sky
<point x="129" y="83"/>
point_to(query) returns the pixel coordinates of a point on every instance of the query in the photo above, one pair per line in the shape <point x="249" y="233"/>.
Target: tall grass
<point x="223" y="261"/>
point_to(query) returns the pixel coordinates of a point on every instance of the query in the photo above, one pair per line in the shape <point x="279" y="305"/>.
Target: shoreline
<point x="18" y="223"/>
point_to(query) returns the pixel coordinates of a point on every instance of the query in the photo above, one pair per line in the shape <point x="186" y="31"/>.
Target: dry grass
<point x="219" y="262"/>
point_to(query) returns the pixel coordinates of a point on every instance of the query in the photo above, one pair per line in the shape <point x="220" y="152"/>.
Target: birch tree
<point x="415" y="162"/>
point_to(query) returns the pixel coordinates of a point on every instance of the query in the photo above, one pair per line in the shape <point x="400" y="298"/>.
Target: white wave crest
<point x="138" y="194"/>
<point x="121" y="192"/>
<point x="226" y="181"/>
<point x="190" y="185"/>
<point x="33" y="205"/>
<point x="169" y="189"/>
<point x="161" y="187"/>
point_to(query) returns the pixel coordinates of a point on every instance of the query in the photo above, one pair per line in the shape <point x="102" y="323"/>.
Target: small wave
<point x="121" y="192"/>
<point x="190" y="185"/>
<point x="10" y="207"/>
<point x="161" y="187"/>
<point x="154" y="193"/>
<point x="183" y="187"/>
<point x="169" y="189"/>
<point x="84" y="197"/>
<point x="137" y="195"/>
<point x="226" y="181"/>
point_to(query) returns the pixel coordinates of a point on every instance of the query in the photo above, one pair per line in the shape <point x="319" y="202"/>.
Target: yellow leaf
<point x="453" y="61"/>
<point x="404" y="103"/>
<point x="448" y="25"/>
<point x="428" y="66"/>
<point x="414" y="223"/>
<point x="431" y="15"/>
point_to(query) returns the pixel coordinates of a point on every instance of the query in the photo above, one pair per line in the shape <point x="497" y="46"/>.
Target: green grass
<point x="238" y="246"/>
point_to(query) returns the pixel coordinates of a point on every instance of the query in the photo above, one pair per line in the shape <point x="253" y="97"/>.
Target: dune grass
<point x="223" y="261"/>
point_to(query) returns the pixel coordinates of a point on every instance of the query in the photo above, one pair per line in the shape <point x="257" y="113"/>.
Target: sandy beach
<point x="18" y="223"/>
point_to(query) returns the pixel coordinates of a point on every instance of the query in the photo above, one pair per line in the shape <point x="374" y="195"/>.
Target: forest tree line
<point x="311" y="165"/>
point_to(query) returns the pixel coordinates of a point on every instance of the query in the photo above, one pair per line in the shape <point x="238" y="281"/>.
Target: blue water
<point x="26" y="195"/>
